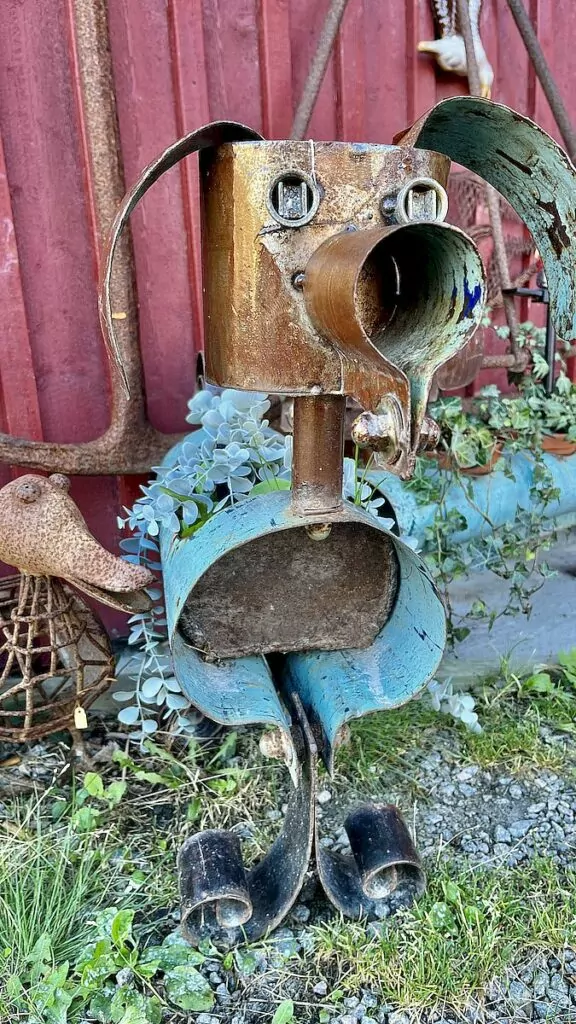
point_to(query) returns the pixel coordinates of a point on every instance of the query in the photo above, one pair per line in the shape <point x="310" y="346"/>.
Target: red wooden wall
<point x="177" y="64"/>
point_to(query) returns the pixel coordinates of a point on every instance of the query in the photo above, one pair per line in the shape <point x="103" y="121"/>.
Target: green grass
<point x="378" y="755"/>
<point x="467" y="929"/>
<point x="112" y="842"/>
<point x="52" y="879"/>
<point x="516" y="746"/>
<point x="68" y="853"/>
<point x="528" y="723"/>
<point x="514" y="713"/>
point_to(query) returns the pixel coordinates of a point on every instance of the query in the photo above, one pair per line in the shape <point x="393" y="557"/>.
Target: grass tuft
<point x="468" y="928"/>
<point x="51" y="880"/>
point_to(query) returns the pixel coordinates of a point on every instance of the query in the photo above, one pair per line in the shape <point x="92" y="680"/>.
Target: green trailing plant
<point x="522" y="419"/>
<point x="464" y="437"/>
<point x="507" y="416"/>
<point x="555" y="413"/>
<point x="513" y="550"/>
<point x="533" y="338"/>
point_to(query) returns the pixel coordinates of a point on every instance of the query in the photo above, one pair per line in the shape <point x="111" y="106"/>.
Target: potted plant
<point x="555" y="414"/>
<point x="467" y="443"/>
<point x="533" y="418"/>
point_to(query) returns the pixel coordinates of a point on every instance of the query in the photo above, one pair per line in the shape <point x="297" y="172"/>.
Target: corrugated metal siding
<point x="177" y="64"/>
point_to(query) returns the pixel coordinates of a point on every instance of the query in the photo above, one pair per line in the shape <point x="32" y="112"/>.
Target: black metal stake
<point x="541" y="294"/>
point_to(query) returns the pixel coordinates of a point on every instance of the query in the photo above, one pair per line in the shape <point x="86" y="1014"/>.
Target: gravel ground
<point x="465" y="814"/>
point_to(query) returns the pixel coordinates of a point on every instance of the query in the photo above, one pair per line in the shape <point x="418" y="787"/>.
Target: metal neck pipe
<point x="317" y="462"/>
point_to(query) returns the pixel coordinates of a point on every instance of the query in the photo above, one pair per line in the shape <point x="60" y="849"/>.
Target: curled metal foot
<point x="384" y="862"/>
<point x="229" y="905"/>
<point x="222" y="901"/>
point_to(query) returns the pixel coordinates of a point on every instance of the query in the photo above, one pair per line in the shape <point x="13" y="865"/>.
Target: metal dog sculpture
<point x="329" y="273"/>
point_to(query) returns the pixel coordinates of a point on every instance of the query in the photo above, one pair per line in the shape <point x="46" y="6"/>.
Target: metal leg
<point x="384" y="862"/>
<point x="223" y="902"/>
<point x="220" y="900"/>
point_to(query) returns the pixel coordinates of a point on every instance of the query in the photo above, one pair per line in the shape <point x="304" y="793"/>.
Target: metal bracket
<point x="541" y="294"/>
<point x="223" y="902"/>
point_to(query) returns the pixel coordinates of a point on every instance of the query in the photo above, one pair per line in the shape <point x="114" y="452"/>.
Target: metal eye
<point x="61" y="481"/>
<point x="293" y="199"/>
<point x="28" y="491"/>
<point x="421" y="199"/>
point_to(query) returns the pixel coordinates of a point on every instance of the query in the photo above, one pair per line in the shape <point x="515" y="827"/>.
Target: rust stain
<point x="517" y="163"/>
<point x="557" y="233"/>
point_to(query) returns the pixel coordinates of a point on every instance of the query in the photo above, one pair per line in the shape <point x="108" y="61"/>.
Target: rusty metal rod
<point x="130" y="444"/>
<point x="317" y="68"/>
<point x="492" y="198"/>
<point x="318" y="422"/>
<point x="544" y="75"/>
<point x="505" y="361"/>
<point x="317" y="460"/>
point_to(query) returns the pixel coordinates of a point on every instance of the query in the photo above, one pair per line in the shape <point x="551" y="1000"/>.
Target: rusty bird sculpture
<point x="55" y="656"/>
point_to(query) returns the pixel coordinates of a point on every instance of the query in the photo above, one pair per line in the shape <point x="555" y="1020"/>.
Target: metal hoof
<point x="212" y="880"/>
<point x="223" y="902"/>
<point x="384" y="862"/>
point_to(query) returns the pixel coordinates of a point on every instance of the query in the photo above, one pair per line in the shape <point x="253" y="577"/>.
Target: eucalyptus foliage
<point x="448" y="701"/>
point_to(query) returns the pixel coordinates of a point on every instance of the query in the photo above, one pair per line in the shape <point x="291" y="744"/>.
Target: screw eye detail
<point x="421" y="199"/>
<point x="29" y="491"/>
<point x="293" y="199"/>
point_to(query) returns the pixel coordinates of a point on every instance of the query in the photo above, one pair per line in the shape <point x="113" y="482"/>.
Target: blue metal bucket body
<point x="335" y="686"/>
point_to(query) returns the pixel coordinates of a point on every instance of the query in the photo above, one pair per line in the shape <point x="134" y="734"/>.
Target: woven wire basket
<point x="55" y="657"/>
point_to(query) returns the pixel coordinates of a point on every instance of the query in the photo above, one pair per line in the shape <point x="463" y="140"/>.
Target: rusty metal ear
<point x="130" y="444"/>
<point x="210" y="136"/>
<point x="527" y="167"/>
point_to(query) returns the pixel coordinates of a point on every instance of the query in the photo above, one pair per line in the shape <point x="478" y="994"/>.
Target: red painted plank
<point x="306" y="23"/>
<point x="141" y="56"/>
<point x="44" y="170"/>
<point x="192" y="110"/>
<point x="17" y="380"/>
<point x="351" y="74"/>
<point x="545" y="18"/>
<point x="233" y="74"/>
<point x="275" y="59"/>
<point x="385" y="60"/>
<point x="420" y="67"/>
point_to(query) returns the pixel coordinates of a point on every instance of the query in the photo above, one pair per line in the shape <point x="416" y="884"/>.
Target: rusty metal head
<point x="338" y="276"/>
<point x="42" y="533"/>
<point x="328" y="271"/>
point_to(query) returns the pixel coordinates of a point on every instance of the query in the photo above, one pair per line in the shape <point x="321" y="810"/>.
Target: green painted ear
<point x="528" y="168"/>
